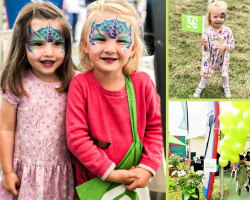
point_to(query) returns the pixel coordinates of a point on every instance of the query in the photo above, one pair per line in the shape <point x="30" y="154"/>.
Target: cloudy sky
<point x="194" y="112"/>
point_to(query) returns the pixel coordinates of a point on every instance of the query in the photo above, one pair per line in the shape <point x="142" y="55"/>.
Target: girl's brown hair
<point x="116" y="7"/>
<point x="16" y="63"/>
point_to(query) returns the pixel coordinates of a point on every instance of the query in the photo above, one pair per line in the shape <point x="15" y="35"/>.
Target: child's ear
<point x="133" y="50"/>
<point x="85" y="47"/>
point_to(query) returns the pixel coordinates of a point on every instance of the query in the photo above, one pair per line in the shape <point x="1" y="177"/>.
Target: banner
<point x="184" y="121"/>
<point x="192" y="23"/>
<point x="13" y="7"/>
<point x="178" y="150"/>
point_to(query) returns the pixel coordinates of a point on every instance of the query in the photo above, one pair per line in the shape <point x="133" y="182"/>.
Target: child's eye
<point x="38" y="44"/>
<point x="122" y="41"/>
<point x="101" y="39"/>
<point x="58" y="43"/>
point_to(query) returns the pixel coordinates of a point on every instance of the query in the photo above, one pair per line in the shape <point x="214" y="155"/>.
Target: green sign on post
<point x="192" y="23"/>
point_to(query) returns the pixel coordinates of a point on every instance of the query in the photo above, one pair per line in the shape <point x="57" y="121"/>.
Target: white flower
<point x="38" y="90"/>
<point x="28" y="144"/>
<point x="54" y="126"/>
<point x="174" y="172"/>
<point x="41" y="138"/>
<point x="45" y="132"/>
<point x="51" y="149"/>
<point x="62" y="108"/>
<point x="30" y="83"/>
<point x="34" y="152"/>
<point x="181" y="173"/>
<point x="200" y="173"/>
<point x="32" y="130"/>
<point x="33" y="100"/>
<point x="49" y="120"/>
<point x="49" y="110"/>
<point x="26" y="108"/>
<point x="57" y="157"/>
<point x="57" y="136"/>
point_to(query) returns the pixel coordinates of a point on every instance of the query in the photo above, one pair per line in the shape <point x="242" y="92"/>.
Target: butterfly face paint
<point x="48" y="36"/>
<point x="113" y="29"/>
<point x="223" y="14"/>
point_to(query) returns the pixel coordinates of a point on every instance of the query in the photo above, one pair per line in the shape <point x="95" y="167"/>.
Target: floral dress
<point x="211" y="60"/>
<point x="41" y="158"/>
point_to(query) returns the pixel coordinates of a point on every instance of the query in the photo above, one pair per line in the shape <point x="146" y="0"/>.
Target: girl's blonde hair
<point x="214" y="4"/>
<point x="114" y="7"/>
<point x="16" y="63"/>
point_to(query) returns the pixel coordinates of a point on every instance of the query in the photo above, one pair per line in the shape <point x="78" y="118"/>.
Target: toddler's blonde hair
<point x="214" y="4"/>
<point x="115" y="7"/>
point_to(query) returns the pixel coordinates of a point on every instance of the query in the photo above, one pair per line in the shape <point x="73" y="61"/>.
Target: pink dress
<point x="211" y="60"/>
<point x="41" y="158"/>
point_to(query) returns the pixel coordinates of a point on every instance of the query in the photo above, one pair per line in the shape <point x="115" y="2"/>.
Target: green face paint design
<point x="45" y="36"/>
<point x="112" y="28"/>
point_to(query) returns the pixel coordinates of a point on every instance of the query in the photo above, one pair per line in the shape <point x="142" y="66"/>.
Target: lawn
<point x="185" y="52"/>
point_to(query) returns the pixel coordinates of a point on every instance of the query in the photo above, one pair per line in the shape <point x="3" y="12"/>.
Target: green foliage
<point x="185" y="52"/>
<point x="173" y="161"/>
<point x="187" y="182"/>
<point x="181" y="165"/>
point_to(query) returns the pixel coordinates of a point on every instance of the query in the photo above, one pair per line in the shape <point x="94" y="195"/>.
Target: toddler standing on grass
<point x="217" y="42"/>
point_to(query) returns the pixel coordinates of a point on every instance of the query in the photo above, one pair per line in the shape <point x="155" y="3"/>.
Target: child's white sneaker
<point x="227" y="93"/>
<point x="198" y="92"/>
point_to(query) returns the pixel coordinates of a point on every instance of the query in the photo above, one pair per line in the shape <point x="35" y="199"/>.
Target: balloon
<point x="219" y="150"/>
<point x="247" y="104"/>
<point x="238" y="147"/>
<point x="238" y="104"/>
<point x="236" y="119"/>
<point x="233" y="131"/>
<point x="223" y="162"/>
<point x="226" y="155"/>
<point x="240" y="113"/>
<point x="242" y="138"/>
<point x="234" y="158"/>
<point x="228" y="139"/>
<point x="242" y="128"/>
<point x="224" y="129"/>
<point x="223" y="145"/>
<point x="246" y="117"/>
<point x="226" y="118"/>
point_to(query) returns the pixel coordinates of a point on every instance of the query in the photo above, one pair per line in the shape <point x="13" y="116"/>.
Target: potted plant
<point x="173" y="163"/>
<point x="187" y="182"/>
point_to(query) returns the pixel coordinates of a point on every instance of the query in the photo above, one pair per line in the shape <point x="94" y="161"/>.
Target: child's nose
<point x="110" y="47"/>
<point x="49" y="50"/>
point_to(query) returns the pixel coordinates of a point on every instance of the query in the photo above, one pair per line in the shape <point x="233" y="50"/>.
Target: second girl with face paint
<point x="100" y="132"/>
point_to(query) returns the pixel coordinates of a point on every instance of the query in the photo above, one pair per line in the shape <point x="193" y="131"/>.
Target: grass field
<point x="185" y="52"/>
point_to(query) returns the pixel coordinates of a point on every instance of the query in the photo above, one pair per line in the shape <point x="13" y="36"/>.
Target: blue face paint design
<point x="112" y="28"/>
<point x="47" y="34"/>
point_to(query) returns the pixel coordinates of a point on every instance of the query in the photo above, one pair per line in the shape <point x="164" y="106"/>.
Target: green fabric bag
<point x="97" y="189"/>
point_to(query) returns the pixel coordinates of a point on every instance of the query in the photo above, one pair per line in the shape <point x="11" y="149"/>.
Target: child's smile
<point x="217" y="17"/>
<point x="109" y="45"/>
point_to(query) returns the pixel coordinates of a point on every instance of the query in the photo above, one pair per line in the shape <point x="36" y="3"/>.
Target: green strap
<point x="132" y="107"/>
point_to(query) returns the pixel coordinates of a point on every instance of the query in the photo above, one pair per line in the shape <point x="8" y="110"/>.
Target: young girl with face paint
<point x="217" y="42"/>
<point x="98" y="117"/>
<point x="34" y="157"/>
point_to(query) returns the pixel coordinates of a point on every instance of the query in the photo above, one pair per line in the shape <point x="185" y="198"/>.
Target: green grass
<point x="185" y="52"/>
